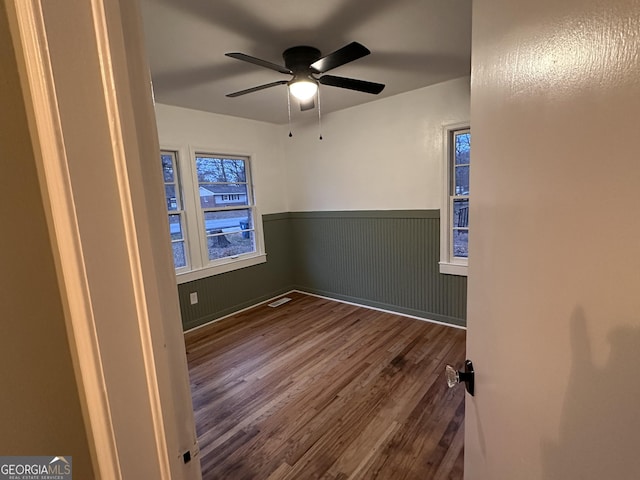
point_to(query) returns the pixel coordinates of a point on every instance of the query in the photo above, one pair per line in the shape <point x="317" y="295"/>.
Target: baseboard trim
<point x="227" y="312"/>
<point x="382" y="307"/>
<point x="358" y="302"/>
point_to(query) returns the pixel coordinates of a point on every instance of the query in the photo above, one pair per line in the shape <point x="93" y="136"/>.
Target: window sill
<point x="227" y="266"/>
<point x="454" y="269"/>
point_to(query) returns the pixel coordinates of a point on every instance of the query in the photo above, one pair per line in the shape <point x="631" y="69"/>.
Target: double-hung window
<point x="226" y="206"/>
<point x="213" y="220"/>
<point x="173" y="197"/>
<point x="455" y="210"/>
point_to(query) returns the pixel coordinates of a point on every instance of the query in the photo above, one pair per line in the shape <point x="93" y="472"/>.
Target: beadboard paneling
<point x="384" y="259"/>
<point x="229" y="292"/>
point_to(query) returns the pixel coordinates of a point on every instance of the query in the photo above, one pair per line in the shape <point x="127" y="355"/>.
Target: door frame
<point x="142" y="280"/>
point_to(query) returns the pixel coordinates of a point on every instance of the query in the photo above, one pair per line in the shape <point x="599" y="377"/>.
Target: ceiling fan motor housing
<point x="298" y="59"/>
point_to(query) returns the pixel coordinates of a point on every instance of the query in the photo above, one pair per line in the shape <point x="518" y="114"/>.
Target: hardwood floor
<point x="320" y="389"/>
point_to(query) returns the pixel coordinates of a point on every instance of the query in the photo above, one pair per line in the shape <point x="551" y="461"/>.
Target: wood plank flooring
<point x="316" y="389"/>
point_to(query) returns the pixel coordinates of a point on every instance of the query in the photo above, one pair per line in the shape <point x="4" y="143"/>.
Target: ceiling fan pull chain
<point x="319" y="115"/>
<point x="289" y="110"/>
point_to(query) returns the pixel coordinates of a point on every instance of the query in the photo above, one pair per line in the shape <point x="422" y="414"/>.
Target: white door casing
<point x="87" y="90"/>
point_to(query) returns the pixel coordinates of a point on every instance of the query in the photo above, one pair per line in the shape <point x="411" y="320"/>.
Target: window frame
<point x="199" y="264"/>
<point x="177" y="183"/>
<point x="450" y="264"/>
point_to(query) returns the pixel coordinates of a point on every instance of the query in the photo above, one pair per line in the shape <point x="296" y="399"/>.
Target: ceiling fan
<point x="305" y="64"/>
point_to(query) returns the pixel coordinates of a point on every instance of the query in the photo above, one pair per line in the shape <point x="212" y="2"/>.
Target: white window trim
<point x="199" y="265"/>
<point x="228" y="266"/>
<point x="449" y="264"/>
<point x="177" y="154"/>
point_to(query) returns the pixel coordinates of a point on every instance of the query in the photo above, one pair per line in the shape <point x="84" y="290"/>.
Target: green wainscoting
<point x="383" y="259"/>
<point x="223" y="294"/>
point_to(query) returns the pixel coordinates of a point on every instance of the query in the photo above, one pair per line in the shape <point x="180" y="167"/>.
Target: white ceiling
<point x="414" y="43"/>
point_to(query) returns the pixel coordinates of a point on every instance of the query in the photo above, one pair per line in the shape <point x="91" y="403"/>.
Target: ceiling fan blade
<point x="257" y="61"/>
<point x="307" y="105"/>
<point x="351" y="84"/>
<point x="255" y="89"/>
<point x="346" y="54"/>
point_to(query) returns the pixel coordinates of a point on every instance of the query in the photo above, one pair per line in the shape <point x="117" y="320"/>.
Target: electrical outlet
<point x="193" y="297"/>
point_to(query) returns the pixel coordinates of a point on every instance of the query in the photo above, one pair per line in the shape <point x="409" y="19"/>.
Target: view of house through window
<point x="225" y="200"/>
<point x="212" y="213"/>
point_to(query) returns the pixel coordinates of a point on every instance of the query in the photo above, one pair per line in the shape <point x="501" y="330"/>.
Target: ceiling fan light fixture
<point x="303" y="89"/>
<point x="308" y="68"/>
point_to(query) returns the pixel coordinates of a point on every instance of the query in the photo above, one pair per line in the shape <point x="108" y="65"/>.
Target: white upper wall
<point x="184" y="128"/>
<point x="382" y="155"/>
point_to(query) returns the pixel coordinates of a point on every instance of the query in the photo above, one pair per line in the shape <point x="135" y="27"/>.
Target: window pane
<point x="230" y="244"/>
<point x="223" y="195"/>
<point x="461" y="243"/>
<point x="225" y="200"/>
<point x="462" y="147"/>
<point x="179" y="258"/>
<point x="209" y="169"/>
<point x="170" y="194"/>
<point x="227" y="221"/>
<point x="220" y="170"/>
<point x="234" y="171"/>
<point x="461" y="213"/>
<point x="175" y="227"/>
<point x="167" y="167"/>
<point x="462" y="180"/>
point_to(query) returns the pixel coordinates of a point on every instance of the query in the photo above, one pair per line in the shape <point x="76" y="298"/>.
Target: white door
<point x="554" y="279"/>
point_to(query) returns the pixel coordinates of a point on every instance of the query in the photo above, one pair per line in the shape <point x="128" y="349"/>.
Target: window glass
<point x="173" y="200"/>
<point x="179" y="256"/>
<point x="462" y="180"/>
<point x="171" y="196"/>
<point x="167" y="166"/>
<point x="220" y="212"/>
<point x="214" y="195"/>
<point x="220" y="170"/>
<point x="459" y="197"/>
<point x="460" y="213"/>
<point x="454" y="219"/>
<point x="461" y="243"/>
<point x="227" y="206"/>
<point x="230" y="244"/>
<point x="175" y="227"/>
<point x="462" y="148"/>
